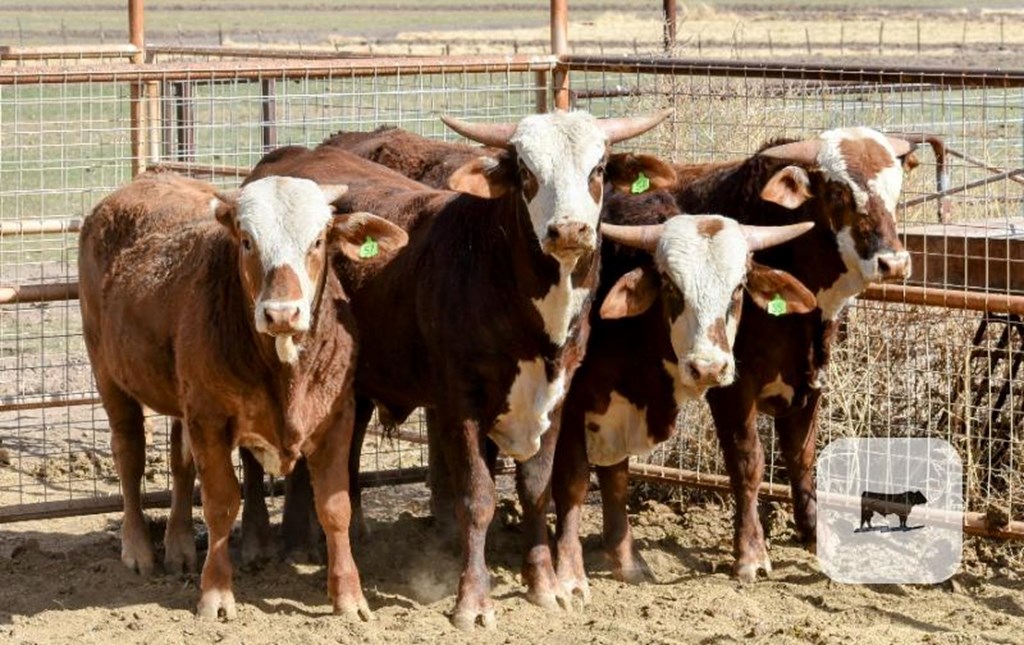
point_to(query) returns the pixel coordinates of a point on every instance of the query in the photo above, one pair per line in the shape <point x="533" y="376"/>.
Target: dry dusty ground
<point x="62" y="581"/>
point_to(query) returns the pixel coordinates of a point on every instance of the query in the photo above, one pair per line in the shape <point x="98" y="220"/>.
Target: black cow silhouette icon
<point x="899" y="504"/>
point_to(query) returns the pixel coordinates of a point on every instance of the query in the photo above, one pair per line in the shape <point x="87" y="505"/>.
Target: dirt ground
<point x="62" y="582"/>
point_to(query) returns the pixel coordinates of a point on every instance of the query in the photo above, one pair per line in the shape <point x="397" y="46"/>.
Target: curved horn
<point x="643" y="237"/>
<point x="624" y="128"/>
<point x="805" y="151"/>
<point x="763" y="237"/>
<point x="490" y="134"/>
<point x="902" y="146"/>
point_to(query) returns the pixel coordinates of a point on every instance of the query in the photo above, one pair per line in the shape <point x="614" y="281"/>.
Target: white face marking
<point x="779" y="388"/>
<point x="561" y="149"/>
<point x="530" y="402"/>
<point x="561" y="304"/>
<point x="621" y="432"/>
<point x="707" y="271"/>
<point x="833" y="299"/>
<point x="284" y="216"/>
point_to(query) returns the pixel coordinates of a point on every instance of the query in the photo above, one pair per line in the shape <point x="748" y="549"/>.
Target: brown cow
<point x="847" y="182"/>
<point x="483" y="317"/>
<point x="234" y="324"/>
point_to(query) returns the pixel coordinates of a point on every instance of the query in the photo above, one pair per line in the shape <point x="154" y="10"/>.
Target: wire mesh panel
<point x="69" y="139"/>
<point x="897" y="369"/>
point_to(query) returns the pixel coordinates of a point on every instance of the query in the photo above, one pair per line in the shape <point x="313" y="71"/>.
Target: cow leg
<point x="735" y="418"/>
<point x="300" y="531"/>
<point x="439" y="480"/>
<point x="128" y="443"/>
<point x="627" y="563"/>
<point x="220" y="508"/>
<point x="257" y="541"/>
<point x="797" y="434"/>
<point x="328" y="469"/>
<point x="179" y="538"/>
<point x="474" y="489"/>
<point x="533" y="483"/>
<point x="364" y="411"/>
<point x="570" y="479"/>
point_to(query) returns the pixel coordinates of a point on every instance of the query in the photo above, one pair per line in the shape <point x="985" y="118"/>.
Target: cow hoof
<point x="551" y="600"/>
<point x="578" y="590"/>
<point x="634" y="572"/>
<point x="215" y="604"/>
<point x="747" y="571"/>
<point x="179" y="554"/>
<point x="139" y="558"/>
<point x="354" y="610"/>
<point x="466" y="619"/>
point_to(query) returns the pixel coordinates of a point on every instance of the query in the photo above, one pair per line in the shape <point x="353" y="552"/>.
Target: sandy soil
<point x="62" y="581"/>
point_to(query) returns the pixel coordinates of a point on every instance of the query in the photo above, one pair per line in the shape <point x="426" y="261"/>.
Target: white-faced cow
<point x="222" y="311"/>
<point x="482" y="318"/>
<point x="847" y="181"/>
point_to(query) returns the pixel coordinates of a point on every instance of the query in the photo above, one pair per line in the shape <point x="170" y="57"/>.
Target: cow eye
<point x="598" y="171"/>
<point x="246" y="244"/>
<point x="319" y="243"/>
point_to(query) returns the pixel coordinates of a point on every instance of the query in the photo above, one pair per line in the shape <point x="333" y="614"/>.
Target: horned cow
<point x="221" y="311"/>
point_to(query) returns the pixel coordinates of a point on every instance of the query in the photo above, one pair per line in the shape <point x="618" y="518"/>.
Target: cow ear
<point x="789" y="187"/>
<point x="624" y="169"/>
<point x="224" y="207"/>
<point x="632" y="294"/>
<point x="778" y="292"/>
<point x="363" y="236"/>
<point x="487" y="177"/>
<point x="909" y="161"/>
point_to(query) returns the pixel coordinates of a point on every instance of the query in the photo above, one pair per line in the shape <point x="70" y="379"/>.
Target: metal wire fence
<point x="901" y="369"/>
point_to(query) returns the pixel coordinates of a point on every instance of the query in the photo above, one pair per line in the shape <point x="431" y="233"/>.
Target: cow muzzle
<point x="281" y="318"/>
<point x="894" y="265"/>
<point x="703" y="373"/>
<point x="570" y="239"/>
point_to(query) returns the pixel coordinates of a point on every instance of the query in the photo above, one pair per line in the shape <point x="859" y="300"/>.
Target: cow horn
<point x="805" y="151"/>
<point x="902" y="145"/>
<point x="643" y="237"/>
<point x="620" y="129"/>
<point x="495" y="135"/>
<point x="763" y="237"/>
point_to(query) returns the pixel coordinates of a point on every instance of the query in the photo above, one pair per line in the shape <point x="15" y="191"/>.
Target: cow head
<point x="284" y="227"/>
<point x="557" y="163"/>
<point x="703" y="264"/>
<point x="855" y="175"/>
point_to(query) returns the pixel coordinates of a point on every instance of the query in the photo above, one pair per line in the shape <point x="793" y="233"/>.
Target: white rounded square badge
<point x="889" y="510"/>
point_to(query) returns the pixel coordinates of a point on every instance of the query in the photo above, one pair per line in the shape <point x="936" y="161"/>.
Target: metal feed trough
<point x="939" y="356"/>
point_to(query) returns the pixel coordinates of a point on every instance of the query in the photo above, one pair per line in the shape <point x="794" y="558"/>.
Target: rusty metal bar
<point x="974" y="523"/>
<point x="253" y="52"/>
<point x="669" y="11"/>
<point x="199" y="170"/>
<point x="981" y="164"/>
<point x="937" y="76"/>
<point x="996" y="303"/>
<point x="1006" y="174"/>
<point x="238" y="70"/>
<point x="137" y="108"/>
<point x="45" y="401"/>
<point x="38" y="293"/>
<point x="35" y="227"/>
<point x="268" y="114"/>
<point x="560" y="47"/>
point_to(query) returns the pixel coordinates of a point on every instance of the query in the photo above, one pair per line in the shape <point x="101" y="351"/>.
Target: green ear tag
<point x="777" y="306"/>
<point x="369" y="248"/>
<point x="641" y="185"/>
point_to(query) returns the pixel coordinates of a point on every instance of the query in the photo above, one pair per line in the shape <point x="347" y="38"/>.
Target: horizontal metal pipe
<point x="938" y="76"/>
<point x="40" y="402"/>
<point x="253" y="52"/>
<point x="974" y="523"/>
<point x="51" y="52"/>
<point x="237" y="70"/>
<point x="199" y="170"/>
<point x="978" y="162"/>
<point x="38" y="293"/>
<point x="32" y="227"/>
<point x="1006" y="174"/>
<point x="998" y="303"/>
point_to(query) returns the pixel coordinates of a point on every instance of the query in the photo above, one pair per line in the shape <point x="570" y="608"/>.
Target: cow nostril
<point x="294" y="317"/>
<point x="554" y="232"/>
<point x="695" y="371"/>
<point x="268" y="316"/>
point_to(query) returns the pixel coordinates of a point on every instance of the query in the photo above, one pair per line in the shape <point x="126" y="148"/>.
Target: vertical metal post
<point x="670" y="24"/>
<point x="137" y="111"/>
<point x="560" y="47"/>
<point x="268" y="114"/>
